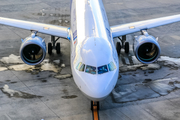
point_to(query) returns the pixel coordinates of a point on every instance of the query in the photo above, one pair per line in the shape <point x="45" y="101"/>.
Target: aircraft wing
<point x="53" y="30"/>
<point x="124" y="29"/>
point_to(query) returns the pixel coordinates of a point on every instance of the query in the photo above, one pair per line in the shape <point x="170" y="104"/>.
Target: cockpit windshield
<point x="102" y="69"/>
<point x="111" y="66"/>
<point x="90" y="69"/>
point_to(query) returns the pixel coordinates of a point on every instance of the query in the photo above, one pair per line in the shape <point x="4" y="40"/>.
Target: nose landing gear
<point x="52" y="45"/>
<point x="95" y="110"/>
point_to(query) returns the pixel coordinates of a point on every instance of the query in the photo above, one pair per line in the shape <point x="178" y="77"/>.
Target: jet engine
<point x="33" y="50"/>
<point x="146" y="48"/>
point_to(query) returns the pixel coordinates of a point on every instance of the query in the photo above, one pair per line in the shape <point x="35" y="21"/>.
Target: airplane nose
<point x="100" y="93"/>
<point x="99" y="87"/>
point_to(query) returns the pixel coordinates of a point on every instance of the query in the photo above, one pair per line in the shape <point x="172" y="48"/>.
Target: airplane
<point x="94" y="54"/>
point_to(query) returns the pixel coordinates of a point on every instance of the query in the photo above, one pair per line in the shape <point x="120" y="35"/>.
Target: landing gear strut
<point x="95" y="110"/>
<point x="53" y="45"/>
<point x="125" y="45"/>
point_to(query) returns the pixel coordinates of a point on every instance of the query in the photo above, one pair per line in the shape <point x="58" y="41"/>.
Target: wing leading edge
<point x="58" y="31"/>
<point x="124" y="29"/>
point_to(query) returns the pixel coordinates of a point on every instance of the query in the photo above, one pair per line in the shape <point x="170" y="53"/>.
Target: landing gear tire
<point x="58" y="48"/>
<point x="118" y="48"/>
<point x="94" y="104"/>
<point x="97" y="105"/>
<point x="49" y="48"/>
<point x="91" y="105"/>
<point x="126" y="47"/>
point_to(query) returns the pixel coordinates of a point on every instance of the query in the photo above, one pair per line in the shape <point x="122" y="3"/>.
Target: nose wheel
<point x="95" y="110"/>
<point x="53" y="45"/>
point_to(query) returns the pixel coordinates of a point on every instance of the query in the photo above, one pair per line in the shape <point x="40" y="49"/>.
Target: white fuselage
<point x="92" y="49"/>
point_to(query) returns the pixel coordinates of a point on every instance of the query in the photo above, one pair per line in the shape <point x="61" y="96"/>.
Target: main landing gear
<point x="53" y="45"/>
<point x="95" y="110"/>
<point x="125" y="45"/>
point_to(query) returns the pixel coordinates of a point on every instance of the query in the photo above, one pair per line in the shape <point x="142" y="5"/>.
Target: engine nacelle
<point x="146" y="48"/>
<point x="33" y="50"/>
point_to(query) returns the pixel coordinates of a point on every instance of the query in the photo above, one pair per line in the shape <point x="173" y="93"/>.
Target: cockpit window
<point x="111" y="66"/>
<point x="102" y="69"/>
<point x="90" y="69"/>
<point x="80" y="66"/>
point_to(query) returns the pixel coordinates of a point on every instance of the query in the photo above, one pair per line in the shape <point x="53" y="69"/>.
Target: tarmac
<point x="48" y="91"/>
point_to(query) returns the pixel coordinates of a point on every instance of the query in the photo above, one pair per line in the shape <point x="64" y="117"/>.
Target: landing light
<point x="46" y="28"/>
<point x="131" y="27"/>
